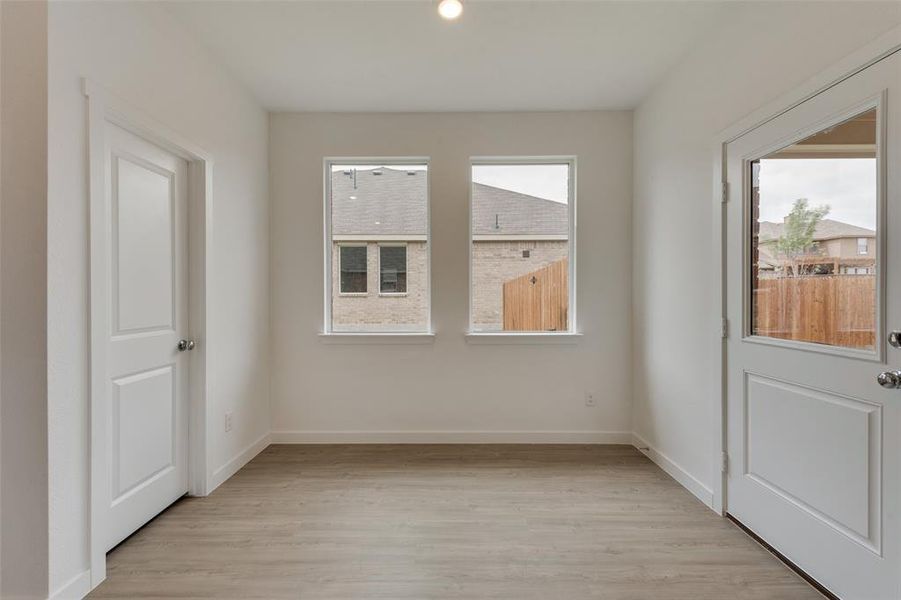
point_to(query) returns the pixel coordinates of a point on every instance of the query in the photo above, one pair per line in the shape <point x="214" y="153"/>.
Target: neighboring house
<point x="380" y="258"/>
<point x="839" y="248"/>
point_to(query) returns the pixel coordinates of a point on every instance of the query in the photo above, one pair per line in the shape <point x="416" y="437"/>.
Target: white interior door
<point x="146" y="403"/>
<point x="813" y="272"/>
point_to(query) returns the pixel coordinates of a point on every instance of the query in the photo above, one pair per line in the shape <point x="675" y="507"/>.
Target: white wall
<point x="23" y="310"/>
<point x="760" y="53"/>
<point x="396" y="392"/>
<point x="138" y="53"/>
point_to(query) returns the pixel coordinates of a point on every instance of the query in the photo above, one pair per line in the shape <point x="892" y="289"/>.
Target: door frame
<point x="883" y="47"/>
<point x="104" y="107"/>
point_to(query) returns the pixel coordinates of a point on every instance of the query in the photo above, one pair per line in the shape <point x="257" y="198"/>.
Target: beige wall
<point x="847" y="248"/>
<point x="451" y="389"/>
<point x="23" y="300"/>
<point x="375" y="312"/>
<point x="494" y="263"/>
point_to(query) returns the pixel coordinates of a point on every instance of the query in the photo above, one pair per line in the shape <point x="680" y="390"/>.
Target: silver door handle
<point x="890" y="380"/>
<point x="185" y="345"/>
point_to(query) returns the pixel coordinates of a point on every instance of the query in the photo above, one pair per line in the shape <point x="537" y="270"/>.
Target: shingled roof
<point x="496" y="211"/>
<point x="826" y="229"/>
<point x="394" y="203"/>
<point x="379" y="202"/>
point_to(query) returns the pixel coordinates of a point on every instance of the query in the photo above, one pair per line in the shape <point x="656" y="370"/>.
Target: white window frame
<point x="362" y="336"/>
<point x="341" y="292"/>
<point x="406" y="264"/>
<point x="572" y="332"/>
<point x="866" y="246"/>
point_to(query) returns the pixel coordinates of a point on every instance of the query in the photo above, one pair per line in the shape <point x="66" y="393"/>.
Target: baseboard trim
<point x="671" y="468"/>
<point x="75" y="589"/>
<point x="222" y="474"/>
<point x="451" y="437"/>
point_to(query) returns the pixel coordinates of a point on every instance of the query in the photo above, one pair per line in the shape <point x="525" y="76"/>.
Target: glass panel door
<point x="814" y="256"/>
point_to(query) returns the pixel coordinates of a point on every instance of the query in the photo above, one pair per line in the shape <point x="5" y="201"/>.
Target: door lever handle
<point x="185" y="345"/>
<point x="890" y="380"/>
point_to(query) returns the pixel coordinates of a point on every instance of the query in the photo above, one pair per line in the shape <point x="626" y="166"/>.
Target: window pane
<point x="813" y="238"/>
<point x="520" y="247"/>
<point x="379" y="219"/>
<point x="393" y="270"/>
<point x="353" y="269"/>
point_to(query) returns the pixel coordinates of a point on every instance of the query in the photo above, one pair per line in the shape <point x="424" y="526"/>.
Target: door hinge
<point x="724" y="465"/>
<point x="725" y="192"/>
<point x="724" y="328"/>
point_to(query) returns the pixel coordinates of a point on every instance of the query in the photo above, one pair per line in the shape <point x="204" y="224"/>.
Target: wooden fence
<point x="838" y="310"/>
<point x="538" y="301"/>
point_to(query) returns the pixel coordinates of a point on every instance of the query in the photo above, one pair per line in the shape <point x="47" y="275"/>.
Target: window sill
<point x="353" y="294"/>
<point x="505" y="337"/>
<point x="393" y="294"/>
<point x="377" y="338"/>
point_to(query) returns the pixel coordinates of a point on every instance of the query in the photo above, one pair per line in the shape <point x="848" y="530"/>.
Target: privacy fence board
<point x="838" y="310"/>
<point x="538" y="301"/>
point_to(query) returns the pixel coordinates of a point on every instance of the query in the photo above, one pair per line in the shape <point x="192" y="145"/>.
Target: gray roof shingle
<point x="394" y="203"/>
<point x="826" y="229"/>
<point x="497" y="211"/>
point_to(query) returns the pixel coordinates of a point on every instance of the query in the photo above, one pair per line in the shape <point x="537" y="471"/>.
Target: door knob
<point x="185" y="345"/>
<point x="890" y="380"/>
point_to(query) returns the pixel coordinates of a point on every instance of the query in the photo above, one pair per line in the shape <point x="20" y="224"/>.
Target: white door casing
<point x="156" y="150"/>
<point x="812" y="439"/>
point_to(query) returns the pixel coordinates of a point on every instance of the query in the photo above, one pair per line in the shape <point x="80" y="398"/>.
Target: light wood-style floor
<point x="421" y="522"/>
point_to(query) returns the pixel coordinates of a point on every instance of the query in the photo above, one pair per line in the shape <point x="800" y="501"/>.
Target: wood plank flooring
<point x="447" y="521"/>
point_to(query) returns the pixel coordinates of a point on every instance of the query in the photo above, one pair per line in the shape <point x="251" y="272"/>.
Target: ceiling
<point x="400" y="56"/>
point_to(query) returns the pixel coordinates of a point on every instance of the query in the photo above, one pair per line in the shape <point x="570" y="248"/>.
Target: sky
<point x="544" y="181"/>
<point x="847" y="185"/>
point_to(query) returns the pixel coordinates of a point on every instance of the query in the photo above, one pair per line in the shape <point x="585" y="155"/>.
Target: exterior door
<point x="146" y="390"/>
<point x="813" y="277"/>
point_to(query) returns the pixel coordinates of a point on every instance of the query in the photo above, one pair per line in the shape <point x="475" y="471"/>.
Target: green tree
<point x="797" y="233"/>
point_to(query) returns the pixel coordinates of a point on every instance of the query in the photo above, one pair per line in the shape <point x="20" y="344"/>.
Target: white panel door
<point x="813" y="275"/>
<point x="147" y="289"/>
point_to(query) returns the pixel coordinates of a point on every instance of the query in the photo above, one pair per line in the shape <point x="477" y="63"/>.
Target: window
<point x="377" y="239"/>
<point x="522" y="218"/>
<point x="810" y="201"/>
<point x="353" y="269"/>
<point x="392" y="269"/>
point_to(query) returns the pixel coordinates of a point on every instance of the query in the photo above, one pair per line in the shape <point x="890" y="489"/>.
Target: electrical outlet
<point x="228" y="422"/>
<point x="589" y="398"/>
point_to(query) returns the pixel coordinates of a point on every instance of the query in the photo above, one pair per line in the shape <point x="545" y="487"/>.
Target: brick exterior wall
<point x="374" y="312"/>
<point x="493" y="263"/>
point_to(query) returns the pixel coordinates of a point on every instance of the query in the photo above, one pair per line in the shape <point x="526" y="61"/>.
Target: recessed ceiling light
<point x="353" y="197"/>
<point x="450" y="9"/>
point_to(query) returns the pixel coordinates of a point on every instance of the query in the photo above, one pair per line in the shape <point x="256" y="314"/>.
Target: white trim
<point x="328" y="239"/>
<point x="376" y="338"/>
<point x="451" y="437"/>
<point x="223" y="473"/>
<point x="103" y="108"/>
<point x="672" y="468"/>
<point x="881" y="48"/>
<point x="514" y="338"/>
<point x="380" y="238"/>
<point x="520" y="238"/>
<point x="570" y="160"/>
<point x="75" y="589"/>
